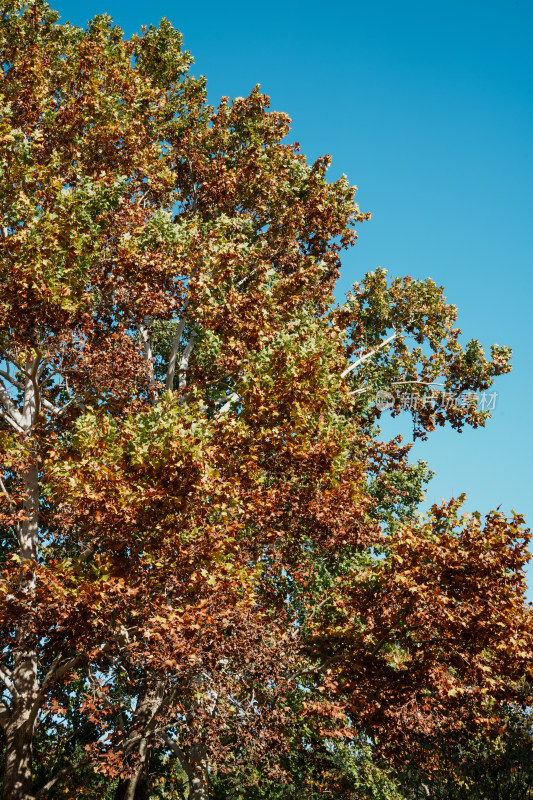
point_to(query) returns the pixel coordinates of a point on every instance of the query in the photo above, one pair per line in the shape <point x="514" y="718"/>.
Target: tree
<point x="208" y="554"/>
<point x="488" y="768"/>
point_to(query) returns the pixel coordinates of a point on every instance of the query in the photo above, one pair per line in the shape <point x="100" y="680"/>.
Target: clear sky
<point x="428" y="107"/>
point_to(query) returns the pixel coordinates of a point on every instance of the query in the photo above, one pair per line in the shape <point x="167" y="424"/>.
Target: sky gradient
<point x="428" y="108"/>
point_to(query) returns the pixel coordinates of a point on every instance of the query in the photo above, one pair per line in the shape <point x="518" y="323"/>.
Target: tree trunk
<point x="17" y="783"/>
<point x="19" y="729"/>
<point x="197" y="788"/>
<point x="196" y="767"/>
<point x="136" y="788"/>
<point x="143" y="720"/>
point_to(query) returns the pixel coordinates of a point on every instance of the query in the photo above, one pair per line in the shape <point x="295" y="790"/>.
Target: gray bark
<point x="19" y="726"/>
<point x="17" y="782"/>
<point x="143" y="722"/>
<point x="19" y="729"/>
<point x="29" y="530"/>
<point x="196" y="765"/>
<point x="136" y="788"/>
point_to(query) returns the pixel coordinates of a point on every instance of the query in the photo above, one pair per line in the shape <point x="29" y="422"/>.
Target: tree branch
<point x="13" y="361"/>
<point x="55" y="409"/>
<point x="33" y="378"/>
<point x="176" y="339"/>
<point x="10" y="412"/>
<point x="368" y="355"/>
<point x="55" y="672"/>
<point x="13" y="381"/>
<point x="397" y="383"/>
<point x="420" y="383"/>
<point x="317" y="668"/>
<point x="176" y="749"/>
<point x="246" y="278"/>
<point x="184" y="360"/>
<point x="233" y="398"/>
<point x="105" y="699"/>
<point x="144" y="332"/>
<point x="7" y="495"/>
<point x="6" y="677"/>
<point x="52" y="782"/>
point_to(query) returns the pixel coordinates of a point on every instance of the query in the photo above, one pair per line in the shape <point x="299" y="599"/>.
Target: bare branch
<point x="42" y="368"/>
<point x="316" y="668"/>
<point x="12" y="380"/>
<point x="184" y="360"/>
<point x="106" y="700"/>
<point x="53" y="408"/>
<point x="7" y="495"/>
<point x="33" y="378"/>
<point x="420" y="383"/>
<point x="144" y="332"/>
<point x="64" y="771"/>
<point x="233" y="398"/>
<point x="176" y="339"/>
<point x="13" y="361"/>
<point x="127" y="743"/>
<point x="10" y="412"/>
<point x="368" y="355"/>
<point x="7" y="678"/>
<point x="10" y="502"/>
<point x="176" y="749"/>
<point x="56" y="671"/>
<point x="246" y="278"/>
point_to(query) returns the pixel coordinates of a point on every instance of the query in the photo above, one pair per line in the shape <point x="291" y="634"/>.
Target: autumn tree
<point x="208" y="555"/>
<point x="482" y="768"/>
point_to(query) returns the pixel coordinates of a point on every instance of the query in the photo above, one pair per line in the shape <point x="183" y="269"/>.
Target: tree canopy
<point x="212" y="566"/>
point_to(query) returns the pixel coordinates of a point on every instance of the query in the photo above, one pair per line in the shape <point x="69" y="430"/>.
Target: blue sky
<point x="428" y="108"/>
